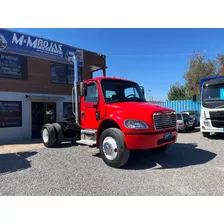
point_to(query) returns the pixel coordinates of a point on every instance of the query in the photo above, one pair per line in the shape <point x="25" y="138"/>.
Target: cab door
<point x="90" y="107"/>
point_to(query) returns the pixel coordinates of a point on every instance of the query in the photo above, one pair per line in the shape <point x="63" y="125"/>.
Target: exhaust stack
<point x="75" y="92"/>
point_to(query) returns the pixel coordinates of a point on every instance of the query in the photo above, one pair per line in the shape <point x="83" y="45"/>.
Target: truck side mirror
<point x="143" y="90"/>
<point x="194" y="98"/>
<point x="82" y="88"/>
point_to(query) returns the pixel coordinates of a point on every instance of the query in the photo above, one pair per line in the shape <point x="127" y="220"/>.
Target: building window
<point x="59" y="73"/>
<point x="64" y="74"/>
<point x="13" y="66"/>
<point x="10" y="114"/>
<point x="70" y="74"/>
<point x="67" y="110"/>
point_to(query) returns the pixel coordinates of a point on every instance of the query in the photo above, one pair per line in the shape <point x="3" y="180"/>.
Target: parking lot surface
<point x="192" y="166"/>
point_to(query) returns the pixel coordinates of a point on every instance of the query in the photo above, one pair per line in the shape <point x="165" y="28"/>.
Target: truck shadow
<point x="194" y="131"/>
<point x="217" y="136"/>
<point x="13" y="162"/>
<point x="178" y="155"/>
<point x="24" y="142"/>
<point x="190" y="131"/>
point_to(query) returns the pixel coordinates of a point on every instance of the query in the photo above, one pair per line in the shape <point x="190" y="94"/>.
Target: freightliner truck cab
<point x="113" y="115"/>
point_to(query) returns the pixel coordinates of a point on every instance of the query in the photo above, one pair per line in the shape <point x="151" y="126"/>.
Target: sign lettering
<point x="17" y="43"/>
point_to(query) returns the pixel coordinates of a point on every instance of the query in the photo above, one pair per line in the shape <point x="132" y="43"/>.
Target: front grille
<point x="217" y="119"/>
<point x="218" y="123"/>
<point x="166" y="120"/>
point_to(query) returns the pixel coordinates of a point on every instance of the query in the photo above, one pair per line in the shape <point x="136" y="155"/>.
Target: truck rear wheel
<point x="48" y="135"/>
<point x="112" y="148"/>
<point x="58" y="134"/>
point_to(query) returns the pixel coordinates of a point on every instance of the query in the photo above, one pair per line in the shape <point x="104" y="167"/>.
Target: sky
<point x="155" y="58"/>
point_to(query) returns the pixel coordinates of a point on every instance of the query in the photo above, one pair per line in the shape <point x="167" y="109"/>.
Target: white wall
<point x="25" y="132"/>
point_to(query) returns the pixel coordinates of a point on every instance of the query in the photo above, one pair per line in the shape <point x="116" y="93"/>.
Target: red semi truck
<point x="113" y="115"/>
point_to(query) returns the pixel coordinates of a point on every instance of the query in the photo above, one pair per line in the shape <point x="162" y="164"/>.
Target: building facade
<point x="36" y="81"/>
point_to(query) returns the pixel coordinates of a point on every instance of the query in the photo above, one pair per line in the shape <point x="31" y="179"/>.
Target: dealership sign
<point x="18" y="43"/>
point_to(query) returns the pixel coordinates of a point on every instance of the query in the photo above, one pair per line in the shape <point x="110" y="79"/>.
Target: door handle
<point x="82" y="114"/>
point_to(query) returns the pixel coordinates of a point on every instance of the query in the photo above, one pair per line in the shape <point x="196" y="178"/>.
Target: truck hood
<point x="135" y="110"/>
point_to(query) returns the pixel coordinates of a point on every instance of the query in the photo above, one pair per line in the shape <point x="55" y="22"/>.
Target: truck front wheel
<point x="48" y="135"/>
<point x="112" y="148"/>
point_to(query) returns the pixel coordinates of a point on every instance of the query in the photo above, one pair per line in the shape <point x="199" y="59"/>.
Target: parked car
<point x="194" y="115"/>
<point x="184" y="122"/>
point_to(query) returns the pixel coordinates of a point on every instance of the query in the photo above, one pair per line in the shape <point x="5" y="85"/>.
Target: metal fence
<point x="182" y="105"/>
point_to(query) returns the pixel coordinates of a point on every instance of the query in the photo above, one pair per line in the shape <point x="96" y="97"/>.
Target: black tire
<point x="51" y="135"/>
<point x="58" y="134"/>
<point x="123" y="153"/>
<point x="206" y="134"/>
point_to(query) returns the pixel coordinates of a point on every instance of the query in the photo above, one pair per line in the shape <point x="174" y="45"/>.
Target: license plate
<point x="168" y="135"/>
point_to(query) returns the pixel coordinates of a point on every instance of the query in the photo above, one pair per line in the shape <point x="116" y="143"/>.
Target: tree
<point x="199" y="68"/>
<point x="220" y="61"/>
<point x="177" y="92"/>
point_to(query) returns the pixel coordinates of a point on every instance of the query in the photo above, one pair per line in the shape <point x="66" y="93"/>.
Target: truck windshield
<point x="213" y="96"/>
<point x="121" y="91"/>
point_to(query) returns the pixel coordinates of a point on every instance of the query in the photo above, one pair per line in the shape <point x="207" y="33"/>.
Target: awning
<point x="94" y="68"/>
<point x="41" y="97"/>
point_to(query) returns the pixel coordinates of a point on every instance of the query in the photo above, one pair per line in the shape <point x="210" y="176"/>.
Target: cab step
<point x="89" y="131"/>
<point x="86" y="142"/>
<point x="88" y="137"/>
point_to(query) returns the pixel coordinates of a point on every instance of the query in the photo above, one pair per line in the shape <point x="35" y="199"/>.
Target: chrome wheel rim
<point x="110" y="148"/>
<point x="45" y="135"/>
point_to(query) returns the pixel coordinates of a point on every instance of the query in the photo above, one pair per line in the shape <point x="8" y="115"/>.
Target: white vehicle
<point x="212" y="105"/>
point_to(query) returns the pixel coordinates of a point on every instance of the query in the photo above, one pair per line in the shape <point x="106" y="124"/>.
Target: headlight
<point x="206" y="123"/>
<point x="133" y="124"/>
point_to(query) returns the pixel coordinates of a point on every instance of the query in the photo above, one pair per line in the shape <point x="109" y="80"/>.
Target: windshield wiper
<point x="126" y="100"/>
<point x="117" y="101"/>
<point x="134" y="100"/>
<point x="211" y="101"/>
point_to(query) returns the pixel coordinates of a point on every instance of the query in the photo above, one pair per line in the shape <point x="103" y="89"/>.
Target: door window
<point x="91" y="93"/>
